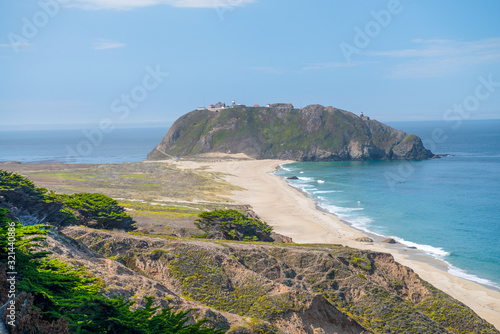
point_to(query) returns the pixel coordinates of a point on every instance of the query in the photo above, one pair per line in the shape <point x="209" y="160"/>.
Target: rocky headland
<point x="280" y="131"/>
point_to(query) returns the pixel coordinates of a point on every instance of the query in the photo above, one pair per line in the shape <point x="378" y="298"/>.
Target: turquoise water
<point x="449" y="207"/>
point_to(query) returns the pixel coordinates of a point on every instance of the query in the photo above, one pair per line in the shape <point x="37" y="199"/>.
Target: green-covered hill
<point x="280" y="131"/>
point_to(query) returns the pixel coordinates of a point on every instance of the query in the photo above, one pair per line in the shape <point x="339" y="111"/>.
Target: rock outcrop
<point x="314" y="133"/>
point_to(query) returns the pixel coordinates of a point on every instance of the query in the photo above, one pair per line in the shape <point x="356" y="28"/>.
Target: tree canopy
<point x="97" y="210"/>
<point x="32" y="205"/>
<point x="233" y="225"/>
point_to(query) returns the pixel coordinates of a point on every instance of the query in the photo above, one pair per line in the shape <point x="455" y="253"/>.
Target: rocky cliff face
<point x="268" y="288"/>
<point x="314" y="133"/>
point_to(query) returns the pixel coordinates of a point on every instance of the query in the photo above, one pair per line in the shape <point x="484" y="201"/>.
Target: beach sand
<point x="293" y="214"/>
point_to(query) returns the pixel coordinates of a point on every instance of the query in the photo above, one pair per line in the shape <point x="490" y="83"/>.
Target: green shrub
<point x="36" y="205"/>
<point x="233" y="225"/>
<point x="97" y="210"/>
<point x="31" y="205"/>
<point x="12" y="182"/>
<point x="362" y="262"/>
<point x="104" y="315"/>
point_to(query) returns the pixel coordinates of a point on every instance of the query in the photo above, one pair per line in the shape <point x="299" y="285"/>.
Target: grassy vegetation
<point x="137" y="176"/>
<point x="451" y="315"/>
<point x="144" y="181"/>
<point x="72" y="176"/>
<point x="161" y="210"/>
<point x="204" y="280"/>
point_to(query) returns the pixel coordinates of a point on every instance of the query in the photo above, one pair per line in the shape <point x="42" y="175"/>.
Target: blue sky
<point x="93" y="61"/>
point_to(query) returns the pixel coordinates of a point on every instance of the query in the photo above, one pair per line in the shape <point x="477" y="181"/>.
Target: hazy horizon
<point x="167" y="125"/>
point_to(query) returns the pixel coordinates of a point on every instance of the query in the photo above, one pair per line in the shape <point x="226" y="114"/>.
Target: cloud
<point x="105" y="44"/>
<point x="441" y="57"/>
<point x="16" y="46"/>
<point x="326" y="66"/>
<point x="131" y="4"/>
<point x="267" y="69"/>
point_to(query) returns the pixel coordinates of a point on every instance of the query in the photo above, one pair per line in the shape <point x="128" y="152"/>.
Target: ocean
<point x="79" y="145"/>
<point x="449" y="207"/>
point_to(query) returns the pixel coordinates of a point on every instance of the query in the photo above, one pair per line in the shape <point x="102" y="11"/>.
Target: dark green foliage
<point x="12" y="182"/>
<point x="34" y="205"/>
<point x="22" y="246"/>
<point x="56" y="286"/>
<point x="99" y="211"/>
<point x="29" y="204"/>
<point x="233" y="225"/>
<point x="103" y="315"/>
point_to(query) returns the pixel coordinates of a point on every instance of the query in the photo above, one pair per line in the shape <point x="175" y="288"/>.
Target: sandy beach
<point x="293" y="214"/>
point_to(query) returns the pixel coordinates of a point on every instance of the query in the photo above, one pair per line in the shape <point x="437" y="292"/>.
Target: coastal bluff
<point x="280" y="131"/>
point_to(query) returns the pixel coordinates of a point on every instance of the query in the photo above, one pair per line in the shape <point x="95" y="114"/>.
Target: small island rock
<point x="364" y="239"/>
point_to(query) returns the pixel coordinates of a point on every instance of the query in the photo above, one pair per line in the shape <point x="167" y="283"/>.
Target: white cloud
<point x="16" y="46"/>
<point x="130" y="4"/>
<point x="440" y="57"/>
<point x="105" y="44"/>
<point x="326" y="66"/>
<point x="267" y="69"/>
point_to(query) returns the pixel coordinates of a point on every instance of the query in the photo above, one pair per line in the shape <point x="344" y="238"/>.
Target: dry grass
<point x="144" y="181"/>
<point x="161" y="198"/>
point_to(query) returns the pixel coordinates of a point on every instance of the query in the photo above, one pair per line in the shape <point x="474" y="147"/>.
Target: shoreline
<point x="296" y="214"/>
<point x="413" y="253"/>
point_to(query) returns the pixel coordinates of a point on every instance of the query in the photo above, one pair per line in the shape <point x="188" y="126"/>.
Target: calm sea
<point x="79" y="146"/>
<point x="449" y="207"/>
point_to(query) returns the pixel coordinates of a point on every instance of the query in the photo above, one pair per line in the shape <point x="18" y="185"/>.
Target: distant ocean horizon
<point x="448" y="208"/>
<point x="77" y="146"/>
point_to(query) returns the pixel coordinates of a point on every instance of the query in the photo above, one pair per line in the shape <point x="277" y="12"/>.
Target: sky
<point x="147" y="62"/>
